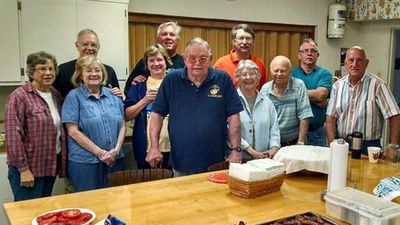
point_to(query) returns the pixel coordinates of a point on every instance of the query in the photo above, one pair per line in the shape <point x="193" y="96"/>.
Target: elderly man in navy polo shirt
<point x="203" y="108"/>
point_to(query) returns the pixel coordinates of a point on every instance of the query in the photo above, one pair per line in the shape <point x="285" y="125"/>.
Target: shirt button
<point x="250" y="131"/>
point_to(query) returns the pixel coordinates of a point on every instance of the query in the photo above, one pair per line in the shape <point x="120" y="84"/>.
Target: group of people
<point x="187" y="114"/>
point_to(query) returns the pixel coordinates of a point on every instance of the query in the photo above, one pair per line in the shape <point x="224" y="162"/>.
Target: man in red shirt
<point x="242" y="40"/>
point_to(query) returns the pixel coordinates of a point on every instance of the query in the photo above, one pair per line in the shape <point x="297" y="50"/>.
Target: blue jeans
<point x="317" y="137"/>
<point x="90" y="176"/>
<point x="42" y="187"/>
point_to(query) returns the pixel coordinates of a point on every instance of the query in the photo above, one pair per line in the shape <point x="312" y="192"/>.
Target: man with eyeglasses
<point x="243" y="37"/>
<point x="87" y="43"/>
<point x="203" y="108"/>
<point x="168" y="35"/>
<point x="318" y="81"/>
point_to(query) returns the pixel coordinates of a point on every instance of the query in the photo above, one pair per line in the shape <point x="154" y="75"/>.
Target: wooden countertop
<point x="195" y="200"/>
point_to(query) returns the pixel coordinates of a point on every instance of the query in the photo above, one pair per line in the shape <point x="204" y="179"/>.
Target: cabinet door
<point x="110" y="21"/>
<point x="50" y="26"/>
<point x="9" y="43"/>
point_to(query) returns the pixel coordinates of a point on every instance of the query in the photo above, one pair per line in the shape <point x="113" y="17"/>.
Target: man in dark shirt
<point x="168" y="36"/>
<point x="87" y="43"/>
<point x="203" y="108"/>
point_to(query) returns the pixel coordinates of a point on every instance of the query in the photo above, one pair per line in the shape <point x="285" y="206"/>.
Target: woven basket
<point x="252" y="189"/>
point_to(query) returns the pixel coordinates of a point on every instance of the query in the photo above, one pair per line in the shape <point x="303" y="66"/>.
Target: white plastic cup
<point x="373" y="154"/>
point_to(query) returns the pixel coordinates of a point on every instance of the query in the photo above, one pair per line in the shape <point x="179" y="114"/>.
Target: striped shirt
<point x="361" y="107"/>
<point x="293" y="107"/>
<point x="31" y="133"/>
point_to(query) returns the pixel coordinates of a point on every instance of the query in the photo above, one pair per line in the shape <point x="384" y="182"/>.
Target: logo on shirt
<point x="214" y="92"/>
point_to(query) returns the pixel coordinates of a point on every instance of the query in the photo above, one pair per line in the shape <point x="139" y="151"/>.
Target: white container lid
<point x="363" y="203"/>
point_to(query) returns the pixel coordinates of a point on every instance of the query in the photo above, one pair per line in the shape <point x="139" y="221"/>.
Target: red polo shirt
<point x="230" y="62"/>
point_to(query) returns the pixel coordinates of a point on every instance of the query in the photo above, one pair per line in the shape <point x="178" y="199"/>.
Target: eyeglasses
<point x="245" y="75"/>
<point x="44" y="69"/>
<point x="306" y="51"/>
<point x="89" y="44"/>
<point x="201" y="60"/>
<point x="242" y="38"/>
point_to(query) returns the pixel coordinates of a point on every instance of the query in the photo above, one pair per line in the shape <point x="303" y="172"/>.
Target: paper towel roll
<point x="339" y="154"/>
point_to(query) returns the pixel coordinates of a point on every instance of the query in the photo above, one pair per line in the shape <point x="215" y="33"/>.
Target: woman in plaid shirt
<point x="36" y="147"/>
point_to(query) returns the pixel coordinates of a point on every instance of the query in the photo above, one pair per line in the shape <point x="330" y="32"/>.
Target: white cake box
<point x="360" y="208"/>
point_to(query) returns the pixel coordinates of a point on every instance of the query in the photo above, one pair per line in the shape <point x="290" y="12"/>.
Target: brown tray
<point x="323" y="219"/>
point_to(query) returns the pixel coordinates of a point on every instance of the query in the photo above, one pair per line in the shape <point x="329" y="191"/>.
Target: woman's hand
<point x="254" y="154"/>
<point x="150" y="95"/>
<point x="271" y="153"/>
<point x="27" y="178"/>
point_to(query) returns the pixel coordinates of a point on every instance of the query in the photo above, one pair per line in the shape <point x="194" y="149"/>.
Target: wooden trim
<point x="218" y="23"/>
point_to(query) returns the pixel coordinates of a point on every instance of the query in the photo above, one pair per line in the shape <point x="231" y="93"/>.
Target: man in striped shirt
<point x="360" y="102"/>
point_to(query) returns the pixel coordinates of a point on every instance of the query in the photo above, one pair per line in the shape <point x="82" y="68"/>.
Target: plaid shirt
<point x="361" y="107"/>
<point x="31" y="134"/>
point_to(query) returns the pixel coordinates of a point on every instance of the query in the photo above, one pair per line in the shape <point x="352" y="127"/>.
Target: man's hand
<point x="138" y="79"/>
<point x="115" y="91"/>
<point x="154" y="157"/>
<point x="27" y="178"/>
<point x="235" y="157"/>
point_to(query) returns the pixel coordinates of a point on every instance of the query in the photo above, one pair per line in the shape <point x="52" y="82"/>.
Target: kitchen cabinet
<point x="52" y="26"/>
<point x="9" y="43"/>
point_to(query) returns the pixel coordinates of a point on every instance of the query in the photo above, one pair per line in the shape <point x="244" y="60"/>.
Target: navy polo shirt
<point x="197" y="117"/>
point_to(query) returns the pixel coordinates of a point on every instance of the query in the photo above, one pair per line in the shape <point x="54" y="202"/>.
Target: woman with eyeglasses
<point x="138" y="104"/>
<point x="94" y="118"/>
<point x="35" y="139"/>
<point x="259" y="123"/>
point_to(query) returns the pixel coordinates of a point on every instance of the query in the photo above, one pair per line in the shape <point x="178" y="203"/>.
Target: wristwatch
<point x="238" y="149"/>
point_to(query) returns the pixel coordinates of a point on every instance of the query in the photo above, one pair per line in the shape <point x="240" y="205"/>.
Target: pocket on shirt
<point x="89" y="111"/>
<point x="370" y="107"/>
<point x="114" y="109"/>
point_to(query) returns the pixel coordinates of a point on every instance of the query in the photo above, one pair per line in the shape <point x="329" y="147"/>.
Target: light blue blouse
<point x="262" y="122"/>
<point x="99" y="119"/>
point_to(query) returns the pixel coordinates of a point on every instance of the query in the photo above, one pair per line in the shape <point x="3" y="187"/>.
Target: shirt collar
<point x="87" y="94"/>
<point x="359" y="82"/>
<point x="234" y="58"/>
<point x="305" y="73"/>
<point x="210" y="74"/>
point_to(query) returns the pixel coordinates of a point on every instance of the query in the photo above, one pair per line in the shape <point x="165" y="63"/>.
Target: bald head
<point x="356" y="63"/>
<point x="281" y="67"/>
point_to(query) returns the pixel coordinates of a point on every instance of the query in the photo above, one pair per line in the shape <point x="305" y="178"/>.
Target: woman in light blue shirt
<point x="259" y="123"/>
<point x="94" y="118"/>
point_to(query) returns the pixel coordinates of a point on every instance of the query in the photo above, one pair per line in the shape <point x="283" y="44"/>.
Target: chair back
<point x="219" y="166"/>
<point x="137" y="176"/>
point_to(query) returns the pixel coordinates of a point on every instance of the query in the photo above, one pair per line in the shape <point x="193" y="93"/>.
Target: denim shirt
<point x="262" y="122"/>
<point x="99" y="119"/>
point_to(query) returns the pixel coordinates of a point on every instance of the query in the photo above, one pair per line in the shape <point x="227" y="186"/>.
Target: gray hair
<point x="175" y="25"/>
<point x="38" y="58"/>
<point x="283" y="60"/>
<point x="247" y="64"/>
<point x="86" y="31"/>
<point x="199" y="41"/>
<point x="245" y="27"/>
<point x="307" y="41"/>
